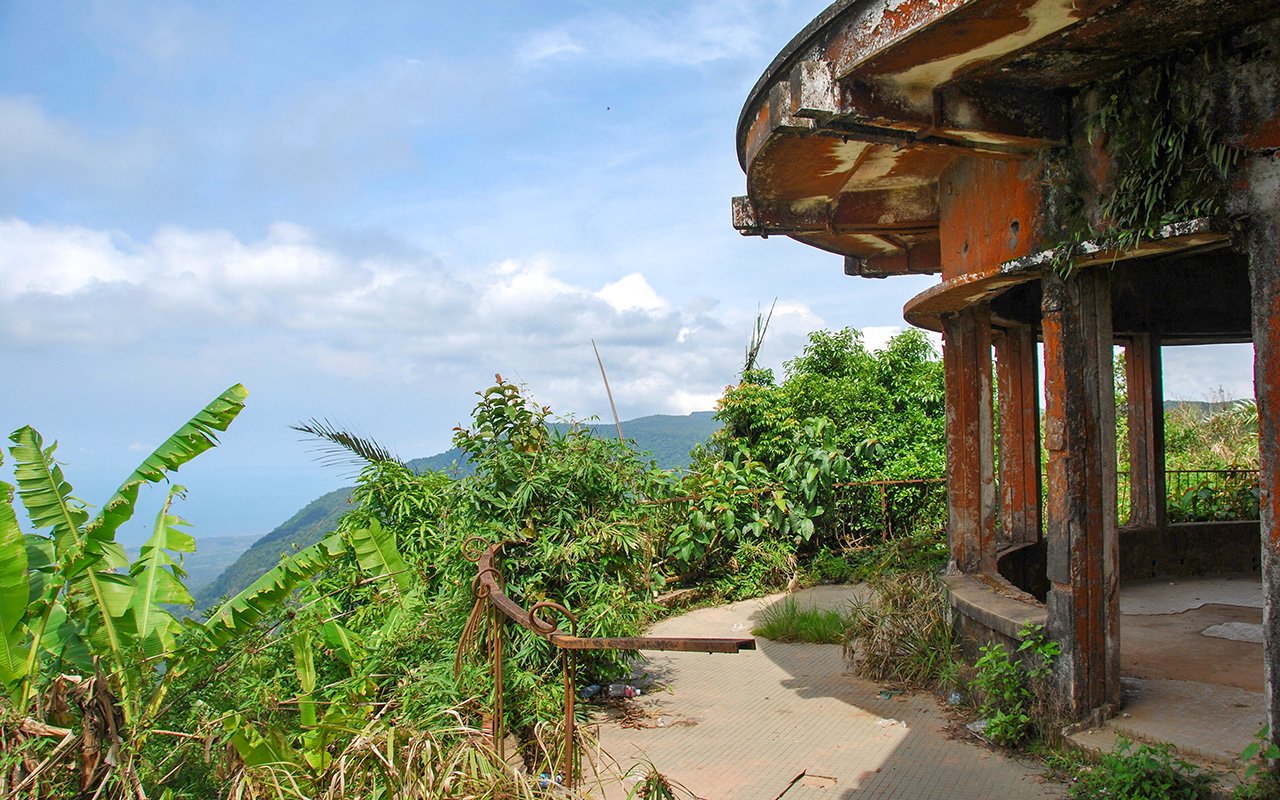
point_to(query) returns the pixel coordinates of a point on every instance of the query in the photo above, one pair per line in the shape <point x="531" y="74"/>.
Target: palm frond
<point x="340" y="447"/>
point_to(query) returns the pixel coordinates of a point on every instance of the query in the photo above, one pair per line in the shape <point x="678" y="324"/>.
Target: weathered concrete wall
<point x="1018" y="395"/>
<point x="971" y="495"/>
<point x="1194" y="548"/>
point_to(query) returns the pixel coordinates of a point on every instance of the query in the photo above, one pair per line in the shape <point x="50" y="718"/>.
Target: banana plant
<point x="305" y="749"/>
<point x="84" y="601"/>
<point x="72" y="603"/>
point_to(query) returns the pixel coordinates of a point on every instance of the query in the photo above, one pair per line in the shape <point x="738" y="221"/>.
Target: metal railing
<point x="494" y="608"/>
<point x="867" y="512"/>
<point x="1204" y="495"/>
<point x="1199" y="495"/>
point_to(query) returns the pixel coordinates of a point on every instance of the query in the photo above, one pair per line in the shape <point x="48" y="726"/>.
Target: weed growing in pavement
<point x="1258" y="782"/>
<point x="1147" y="772"/>
<point x="653" y="785"/>
<point x="900" y="633"/>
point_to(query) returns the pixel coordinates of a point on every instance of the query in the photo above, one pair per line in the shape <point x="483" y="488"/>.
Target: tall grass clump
<point x="788" y="622"/>
<point x="899" y="632"/>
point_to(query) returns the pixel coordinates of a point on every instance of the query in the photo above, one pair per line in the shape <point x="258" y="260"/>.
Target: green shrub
<point x="1007" y="685"/>
<point x="1258" y="782"/>
<point x="787" y="622"/>
<point x="1149" y="772"/>
<point x="830" y="566"/>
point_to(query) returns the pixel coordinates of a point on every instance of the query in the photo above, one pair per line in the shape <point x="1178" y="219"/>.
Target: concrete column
<point x="971" y="506"/>
<point x="1147" y="495"/>
<point x="1262" y="240"/>
<point x="1018" y="396"/>
<point x="1080" y="513"/>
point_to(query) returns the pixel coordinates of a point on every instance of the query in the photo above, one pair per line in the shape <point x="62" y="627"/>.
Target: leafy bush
<point x="1233" y="495"/>
<point x="1258" y="782"/>
<point x="831" y="566"/>
<point x="1149" y="772"/>
<point x="900" y="633"/>
<point x="787" y="622"/>
<point x="1008" y="684"/>
<point x="773" y="475"/>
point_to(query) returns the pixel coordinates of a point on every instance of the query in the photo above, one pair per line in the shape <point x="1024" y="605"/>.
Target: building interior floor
<point x="1192" y="666"/>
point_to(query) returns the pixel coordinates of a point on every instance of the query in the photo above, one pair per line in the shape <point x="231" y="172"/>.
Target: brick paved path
<point x="743" y="727"/>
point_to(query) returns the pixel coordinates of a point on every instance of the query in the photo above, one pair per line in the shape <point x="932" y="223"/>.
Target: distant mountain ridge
<point x="667" y="438"/>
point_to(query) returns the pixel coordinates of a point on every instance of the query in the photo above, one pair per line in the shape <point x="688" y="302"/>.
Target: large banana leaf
<point x="242" y="612"/>
<point x="85" y="564"/>
<point x="14" y="589"/>
<point x="44" y="491"/>
<point x="65" y="641"/>
<point x="305" y="665"/>
<point x="157" y="578"/>
<point x="376" y="551"/>
<point x="41" y="571"/>
<point x="192" y="439"/>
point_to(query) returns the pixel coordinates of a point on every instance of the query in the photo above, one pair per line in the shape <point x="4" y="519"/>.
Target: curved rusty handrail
<point x="488" y="584"/>
<point x="487" y="587"/>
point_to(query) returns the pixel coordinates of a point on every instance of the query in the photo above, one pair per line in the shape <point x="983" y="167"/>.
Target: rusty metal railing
<point x="867" y="511"/>
<point x="1199" y="495"/>
<point x="492" y="603"/>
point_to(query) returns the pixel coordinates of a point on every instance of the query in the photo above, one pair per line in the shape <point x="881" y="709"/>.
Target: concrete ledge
<point x="989" y="609"/>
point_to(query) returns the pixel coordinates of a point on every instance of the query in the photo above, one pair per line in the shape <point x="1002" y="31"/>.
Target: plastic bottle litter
<point x="591" y="691"/>
<point x="623" y="690"/>
<point x="545" y="780"/>
<point x="955" y="698"/>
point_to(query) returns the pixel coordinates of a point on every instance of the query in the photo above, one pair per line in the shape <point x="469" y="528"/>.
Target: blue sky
<point x="364" y="211"/>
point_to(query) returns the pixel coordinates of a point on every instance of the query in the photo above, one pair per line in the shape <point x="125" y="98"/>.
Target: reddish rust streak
<point x="1265" y="136"/>
<point x="1265" y="387"/>
<point x="989" y="213"/>
<point x="967" y="29"/>
<point x="1016" y="363"/>
<point x="792" y="168"/>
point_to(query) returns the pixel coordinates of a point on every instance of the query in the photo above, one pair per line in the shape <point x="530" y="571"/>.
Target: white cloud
<point x="547" y="44"/>
<point x="403" y="319"/>
<point x="633" y="293"/>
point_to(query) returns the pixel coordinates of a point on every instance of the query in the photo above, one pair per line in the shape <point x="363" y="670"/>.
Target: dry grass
<point x="900" y="634"/>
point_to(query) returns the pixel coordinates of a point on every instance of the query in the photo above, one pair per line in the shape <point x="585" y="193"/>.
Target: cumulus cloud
<point x="632" y="293"/>
<point x="395" y="316"/>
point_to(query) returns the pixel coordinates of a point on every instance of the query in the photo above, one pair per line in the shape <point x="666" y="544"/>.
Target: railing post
<point x="499" y="717"/>
<point x="568" y="665"/>
<point x="489" y="591"/>
<point x="886" y="529"/>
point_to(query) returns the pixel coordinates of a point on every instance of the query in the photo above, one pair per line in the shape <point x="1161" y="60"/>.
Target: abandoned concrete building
<point x="1082" y="175"/>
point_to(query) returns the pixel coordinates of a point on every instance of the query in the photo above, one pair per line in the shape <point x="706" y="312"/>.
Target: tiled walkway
<point x="746" y="726"/>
